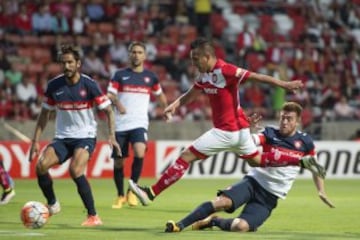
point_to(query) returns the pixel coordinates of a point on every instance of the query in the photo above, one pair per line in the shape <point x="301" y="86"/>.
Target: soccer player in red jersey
<point x="261" y="188"/>
<point x="220" y="81"/>
<point x="72" y="95"/>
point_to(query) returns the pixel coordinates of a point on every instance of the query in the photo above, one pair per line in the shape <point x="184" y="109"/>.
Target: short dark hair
<point x="204" y="44"/>
<point x="292" y="107"/>
<point x="136" y="43"/>
<point x="70" y="49"/>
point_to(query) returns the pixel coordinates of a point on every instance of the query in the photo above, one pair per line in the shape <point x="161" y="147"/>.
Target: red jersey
<point x="222" y="87"/>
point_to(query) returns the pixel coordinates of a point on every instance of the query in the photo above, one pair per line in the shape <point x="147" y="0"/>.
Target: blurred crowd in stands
<point x="317" y="41"/>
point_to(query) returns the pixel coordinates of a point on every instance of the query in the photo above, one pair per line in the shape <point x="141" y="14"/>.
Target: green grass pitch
<point x="301" y="216"/>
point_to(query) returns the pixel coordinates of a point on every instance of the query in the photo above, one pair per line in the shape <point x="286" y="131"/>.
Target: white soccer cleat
<point x="54" y="208"/>
<point x="7" y="196"/>
<point x="143" y="193"/>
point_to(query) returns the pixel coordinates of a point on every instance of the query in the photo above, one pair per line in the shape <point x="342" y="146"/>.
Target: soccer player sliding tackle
<point x="261" y="188"/>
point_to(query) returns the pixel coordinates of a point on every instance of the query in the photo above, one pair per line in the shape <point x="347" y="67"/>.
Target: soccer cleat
<point x="7" y="196"/>
<point x="54" y="208"/>
<point x="204" y="223"/>
<point x="171" y="226"/>
<point x="119" y="202"/>
<point x="144" y="194"/>
<point x="132" y="199"/>
<point x="92" y="221"/>
<point x="309" y="162"/>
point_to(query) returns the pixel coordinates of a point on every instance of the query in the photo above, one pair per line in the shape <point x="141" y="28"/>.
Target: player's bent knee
<point x="76" y="171"/>
<point x="221" y="203"/>
<point x="119" y="162"/>
<point x="188" y="156"/>
<point x="240" y="225"/>
<point x="42" y="166"/>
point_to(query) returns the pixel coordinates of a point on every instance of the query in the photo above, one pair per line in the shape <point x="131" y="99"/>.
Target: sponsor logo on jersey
<point x="59" y="93"/>
<point x="136" y="89"/>
<point x="125" y="78"/>
<point x="211" y="90"/>
<point x="73" y="105"/>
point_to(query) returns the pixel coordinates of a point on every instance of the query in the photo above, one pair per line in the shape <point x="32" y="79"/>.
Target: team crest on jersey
<point x="83" y="93"/>
<point x="146" y="79"/>
<point x="297" y="144"/>
<point x="214" y="78"/>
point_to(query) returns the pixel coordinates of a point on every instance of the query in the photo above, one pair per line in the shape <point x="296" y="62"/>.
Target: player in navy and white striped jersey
<point x="261" y="188"/>
<point x="73" y="96"/>
<point x="130" y="89"/>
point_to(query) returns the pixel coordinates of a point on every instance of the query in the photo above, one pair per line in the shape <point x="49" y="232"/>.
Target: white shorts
<point x="216" y="140"/>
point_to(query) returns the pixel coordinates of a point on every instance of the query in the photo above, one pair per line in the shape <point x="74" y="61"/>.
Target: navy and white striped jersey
<point x="74" y="106"/>
<point x="133" y="90"/>
<point x="278" y="180"/>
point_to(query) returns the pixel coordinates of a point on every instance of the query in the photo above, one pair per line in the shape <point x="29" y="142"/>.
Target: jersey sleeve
<point x="234" y="74"/>
<point x="156" y="87"/>
<point x="48" y="102"/>
<point x="242" y="74"/>
<point x="114" y="84"/>
<point x="100" y="99"/>
<point x="310" y="145"/>
<point x="113" y="87"/>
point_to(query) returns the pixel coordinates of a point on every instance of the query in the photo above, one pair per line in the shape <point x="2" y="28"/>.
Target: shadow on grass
<point x="207" y="233"/>
<point x="165" y="210"/>
<point x="103" y="228"/>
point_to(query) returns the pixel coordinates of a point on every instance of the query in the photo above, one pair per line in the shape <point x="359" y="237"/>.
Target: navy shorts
<point x="65" y="148"/>
<point x="132" y="136"/>
<point x="259" y="203"/>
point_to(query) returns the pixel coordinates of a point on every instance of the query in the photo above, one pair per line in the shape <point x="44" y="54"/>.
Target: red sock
<point x="276" y="159"/>
<point x="170" y="176"/>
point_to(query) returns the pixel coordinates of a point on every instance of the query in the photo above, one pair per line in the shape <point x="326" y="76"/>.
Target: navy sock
<point x="46" y="185"/>
<point x="85" y="193"/>
<point x="222" y="223"/>
<point x="201" y="212"/>
<point x="119" y="180"/>
<point x="136" y="169"/>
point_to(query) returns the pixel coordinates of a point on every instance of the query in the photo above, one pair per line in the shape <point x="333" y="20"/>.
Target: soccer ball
<point x="34" y="214"/>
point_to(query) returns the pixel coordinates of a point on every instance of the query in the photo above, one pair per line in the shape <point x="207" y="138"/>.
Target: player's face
<point x="288" y="123"/>
<point x="137" y="56"/>
<point x="70" y="65"/>
<point x="199" y="60"/>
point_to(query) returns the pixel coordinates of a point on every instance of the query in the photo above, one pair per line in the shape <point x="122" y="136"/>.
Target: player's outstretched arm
<point x="288" y="85"/>
<point x="320" y="186"/>
<point x="39" y="128"/>
<point x="187" y="97"/>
